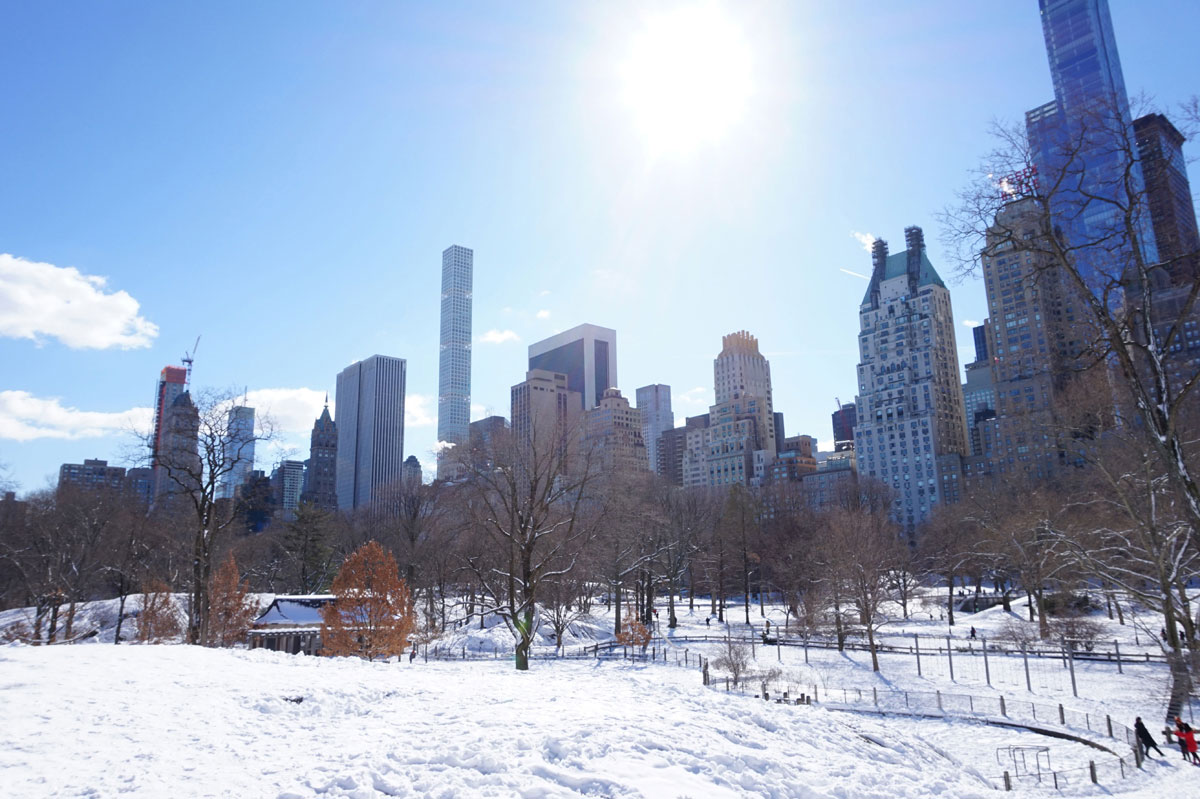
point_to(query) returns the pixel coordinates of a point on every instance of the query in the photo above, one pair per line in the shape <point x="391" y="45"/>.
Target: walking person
<point x="1187" y="740"/>
<point x="1145" y="739"/>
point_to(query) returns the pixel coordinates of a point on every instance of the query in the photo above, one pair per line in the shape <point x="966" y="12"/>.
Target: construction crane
<point x="188" y="359"/>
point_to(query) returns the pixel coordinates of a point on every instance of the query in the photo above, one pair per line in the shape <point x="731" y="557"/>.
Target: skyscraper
<point x="910" y="403"/>
<point x="320" y="475"/>
<point x="613" y="431"/>
<point x="654" y="403"/>
<point x="740" y="369"/>
<point x="172" y="382"/>
<point x="370" y="429"/>
<point x="586" y="354"/>
<point x="454" y="363"/>
<point x="1081" y="141"/>
<point x="239" y="451"/>
<point x="844" y="420"/>
<point x="287" y="483"/>
<point x="544" y="409"/>
<point x="177" y="466"/>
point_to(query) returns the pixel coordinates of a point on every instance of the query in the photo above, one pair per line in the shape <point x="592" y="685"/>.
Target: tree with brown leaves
<point x="372" y="615"/>
<point x="232" y="610"/>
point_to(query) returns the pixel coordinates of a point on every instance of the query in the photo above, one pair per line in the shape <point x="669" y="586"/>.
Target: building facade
<point x="545" y="411"/>
<point x="844" y="420"/>
<point x="910" y="402"/>
<point x="238" y="461"/>
<point x="586" y="354"/>
<point x="287" y="484"/>
<point x="370" y="430"/>
<point x="454" y="359"/>
<point x="320" y="472"/>
<point x="92" y="475"/>
<point x="613" y="435"/>
<point x="654" y="403"/>
<point x="172" y="382"/>
<point x="177" y="468"/>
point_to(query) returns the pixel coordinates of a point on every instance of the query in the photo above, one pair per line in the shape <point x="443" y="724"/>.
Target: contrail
<point x="856" y="274"/>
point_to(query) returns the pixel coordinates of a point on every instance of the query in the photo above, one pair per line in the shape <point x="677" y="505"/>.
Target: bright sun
<point x="687" y="79"/>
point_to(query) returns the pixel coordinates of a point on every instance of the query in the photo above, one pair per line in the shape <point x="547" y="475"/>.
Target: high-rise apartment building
<point x="320" y="473"/>
<point x="92" y="475"/>
<point x="910" y="402"/>
<point x="413" y="476"/>
<point x="287" y="484"/>
<point x="586" y="354"/>
<point x="1081" y="140"/>
<point x="844" y="419"/>
<point x="454" y="360"/>
<point x="740" y="369"/>
<point x="545" y="411"/>
<point x="238" y="460"/>
<point x="177" y="465"/>
<point x="613" y="435"/>
<point x="654" y="403"/>
<point x="370" y="429"/>
<point x="172" y="382"/>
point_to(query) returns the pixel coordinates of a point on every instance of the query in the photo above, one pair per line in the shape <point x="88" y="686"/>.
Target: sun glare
<point x="687" y="79"/>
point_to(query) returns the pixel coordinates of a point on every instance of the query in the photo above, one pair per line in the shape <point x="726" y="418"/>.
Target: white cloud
<point x="498" y="337"/>
<point x="543" y="314"/>
<point x="970" y="323"/>
<point x="43" y="300"/>
<point x="291" y="410"/>
<point x="825" y="446"/>
<point x="865" y="239"/>
<point x="442" y="446"/>
<point x="695" y="396"/>
<point x="417" y="411"/>
<point x="24" y="417"/>
<point x="479" y="411"/>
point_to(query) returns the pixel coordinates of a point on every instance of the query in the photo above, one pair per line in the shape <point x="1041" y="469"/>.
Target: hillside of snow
<point x="180" y="721"/>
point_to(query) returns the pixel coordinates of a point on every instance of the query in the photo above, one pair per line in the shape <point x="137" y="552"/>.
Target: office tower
<point x="910" y="404"/>
<point x="545" y="411"/>
<point x="320" y="474"/>
<point x="177" y="466"/>
<point x="239" y="451"/>
<point x="654" y="403"/>
<point x="843" y="427"/>
<point x="454" y="360"/>
<point x="979" y="332"/>
<point x="586" y="354"/>
<point x="287" y="483"/>
<point x="778" y="428"/>
<point x="738" y="445"/>
<point x="485" y="432"/>
<point x="613" y="435"/>
<point x="1173" y="216"/>
<point x="91" y="475"/>
<point x="1081" y="140"/>
<point x="412" y="472"/>
<point x="139" y="483"/>
<point x="370" y="430"/>
<point x="979" y="401"/>
<point x="172" y="382"/>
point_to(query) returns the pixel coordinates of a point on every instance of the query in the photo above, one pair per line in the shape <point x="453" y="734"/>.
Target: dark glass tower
<point x="1082" y="141"/>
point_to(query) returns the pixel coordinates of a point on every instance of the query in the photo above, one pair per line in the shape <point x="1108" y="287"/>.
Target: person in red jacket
<point x="1187" y="740"/>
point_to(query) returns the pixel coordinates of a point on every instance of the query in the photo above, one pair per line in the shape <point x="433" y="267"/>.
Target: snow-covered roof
<point x="292" y="611"/>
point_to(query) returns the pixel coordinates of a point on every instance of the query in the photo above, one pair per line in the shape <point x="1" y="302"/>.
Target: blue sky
<point x="281" y="178"/>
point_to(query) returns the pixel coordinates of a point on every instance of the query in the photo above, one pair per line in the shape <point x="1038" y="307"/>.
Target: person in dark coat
<point x="1187" y="740"/>
<point x="1145" y="739"/>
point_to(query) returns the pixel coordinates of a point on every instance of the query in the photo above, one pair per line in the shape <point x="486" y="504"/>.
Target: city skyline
<point x="544" y="276"/>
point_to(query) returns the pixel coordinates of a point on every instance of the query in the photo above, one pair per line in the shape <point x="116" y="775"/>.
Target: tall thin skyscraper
<point x="370" y="427"/>
<point x="239" y="451"/>
<point x="654" y="403"/>
<point x="741" y="369"/>
<point x="172" y="382"/>
<point x="586" y="354"/>
<point x="1082" y="140"/>
<point x="454" y="364"/>
<point x="910" y="404"/>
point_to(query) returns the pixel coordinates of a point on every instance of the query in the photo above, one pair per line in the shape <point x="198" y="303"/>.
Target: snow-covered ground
<point x="174" y="721"/>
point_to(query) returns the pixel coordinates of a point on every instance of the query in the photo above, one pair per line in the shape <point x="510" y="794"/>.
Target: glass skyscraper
<point x="1082" y="141"/>
<point x="454" y="364"/>
<point x="370" y="428"/>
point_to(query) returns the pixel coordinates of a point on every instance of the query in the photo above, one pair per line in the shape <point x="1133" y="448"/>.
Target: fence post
<point x="917" y="643"/>
<point x="875" y="694"/>
<point x="1007" y="782"/>
<point x="778" y="648"/>
<point x="1137" y="754"/>
<point x="1062" y="715"/>
<point x="1109" y="720"/>
<point x="1025" y="657"/>
<point x="1092" y="769"/>
<point x="987" y="672"/>
<point x="939" y="698"/>
<point x="1071" y="663"/>
<point x="1003" y="709"/>
<point x="950" y="658"/>
<point x="1117" y="646"/>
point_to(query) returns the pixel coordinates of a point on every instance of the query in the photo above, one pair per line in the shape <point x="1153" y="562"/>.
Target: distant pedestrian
<point x="1145" y="739"/>
<point x="1187" y="740"/>
<point x="972" y="633"/>
<point x="412" y="654"/>
<point x="708" y="621"/>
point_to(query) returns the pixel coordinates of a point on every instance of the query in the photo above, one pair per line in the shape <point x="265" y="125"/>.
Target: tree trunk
<point x="950" y="600"/>
<point x="837" y="623"/>
<point x="120" y="616"/>
<point x="617" y="613"/>
<point x="691" y="588"/>
<point x="52" y="632"/>
<point x="871" y="644"/>
<point x="1043" y="620"/>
